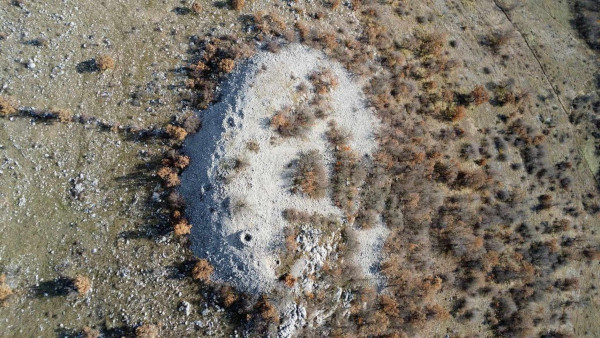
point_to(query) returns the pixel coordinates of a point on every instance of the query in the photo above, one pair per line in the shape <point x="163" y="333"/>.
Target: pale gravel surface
<point x="250" y="96"/>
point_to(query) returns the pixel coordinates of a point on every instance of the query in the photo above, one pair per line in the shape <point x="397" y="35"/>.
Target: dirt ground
<point x="78" y="200"/>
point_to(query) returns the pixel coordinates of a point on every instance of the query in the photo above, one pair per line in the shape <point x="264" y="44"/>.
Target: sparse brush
<point x="82" y="284"/>
<point x="147" y="331"/>
<point x="105" y="62"/>
<point x="202" y="270"/>
<point x="310" y="176"/>
<point x="324" y="81"/>
<point x="290" y="123"/>
<point x="7" y="107"/>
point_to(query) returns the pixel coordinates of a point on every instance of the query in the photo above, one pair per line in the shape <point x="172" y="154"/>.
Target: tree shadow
<point x="88" y="66"/>
<point x="58" y="287"/>
<point x="181" y="10"/>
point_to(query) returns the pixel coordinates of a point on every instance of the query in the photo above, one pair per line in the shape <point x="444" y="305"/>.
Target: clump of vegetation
<point x="64" y="115"/>
<point x="82" y="284"/>
<point x="196" y="8"/>
<point x="169" y="176"/>
<point x="227" y="65"/>
<point x="310" y="176"/>
<point x="7" y="107"/>
<point x="202" y="270"/>
<point x="323" y="81"/>
<point x="88" y="332"/>
<point x="252" y="146"/>
<point x="237" y="4"/>
<point x="5" y="290"/>
<point x="182" y="228"/>
<point x="292" y="123"/>
<point x="147" y="331"/>
<point x="175" y="132"/>
<point x="479" y="95"/>
<point x="497" y="39"/>
<point x="348" y="173"/>
<point x="105" y="62"/>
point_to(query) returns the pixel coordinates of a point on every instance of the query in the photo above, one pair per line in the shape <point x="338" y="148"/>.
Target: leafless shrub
<point x="237" y="4"/>
<point x="202" y="270"/>
<point x="182" y="228"/>
<point x="82" y="284"/>
<point x="497" y="39"/>
<point x="147" y="331"/>
<point x="105" y="62"/>
<point x="7" y="107"/>
<point x="310" y="176"/>
<point x="289" y="123"/>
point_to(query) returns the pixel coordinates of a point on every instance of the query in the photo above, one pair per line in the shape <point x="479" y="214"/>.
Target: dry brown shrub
<point x="82" y="284"/>
<point x="290" y="123"/>
<point x="196" y="8"/>
<point x="303" y="30"/>
<point x="288" y="280"/>
<point x="88" y="332"/>
<point x="237" y="4"/>
<point x="172" y="180"/>
<point x="202" y="270"/>
<point x="226" y="65"/>
<point x="105" y="62"/>
<point x="64" y="115"/>
<point x="7" y="107"/>
<point x="266" y="310"/>
<point x="147" y="331"/>
<point x="163" y="172"/>
<point x="310" y="176"/>
<point x="181" y="161"/>
<point x="175" y="132"/>
<point x="5" y="290"/>
<point x="252" y="146"/>
<point x="324" y="81"/>
<point x="479" y="95"/>
<point x="458" y="113"/>
<point x="228" y="295"/>
<point x="182" y="228"/>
